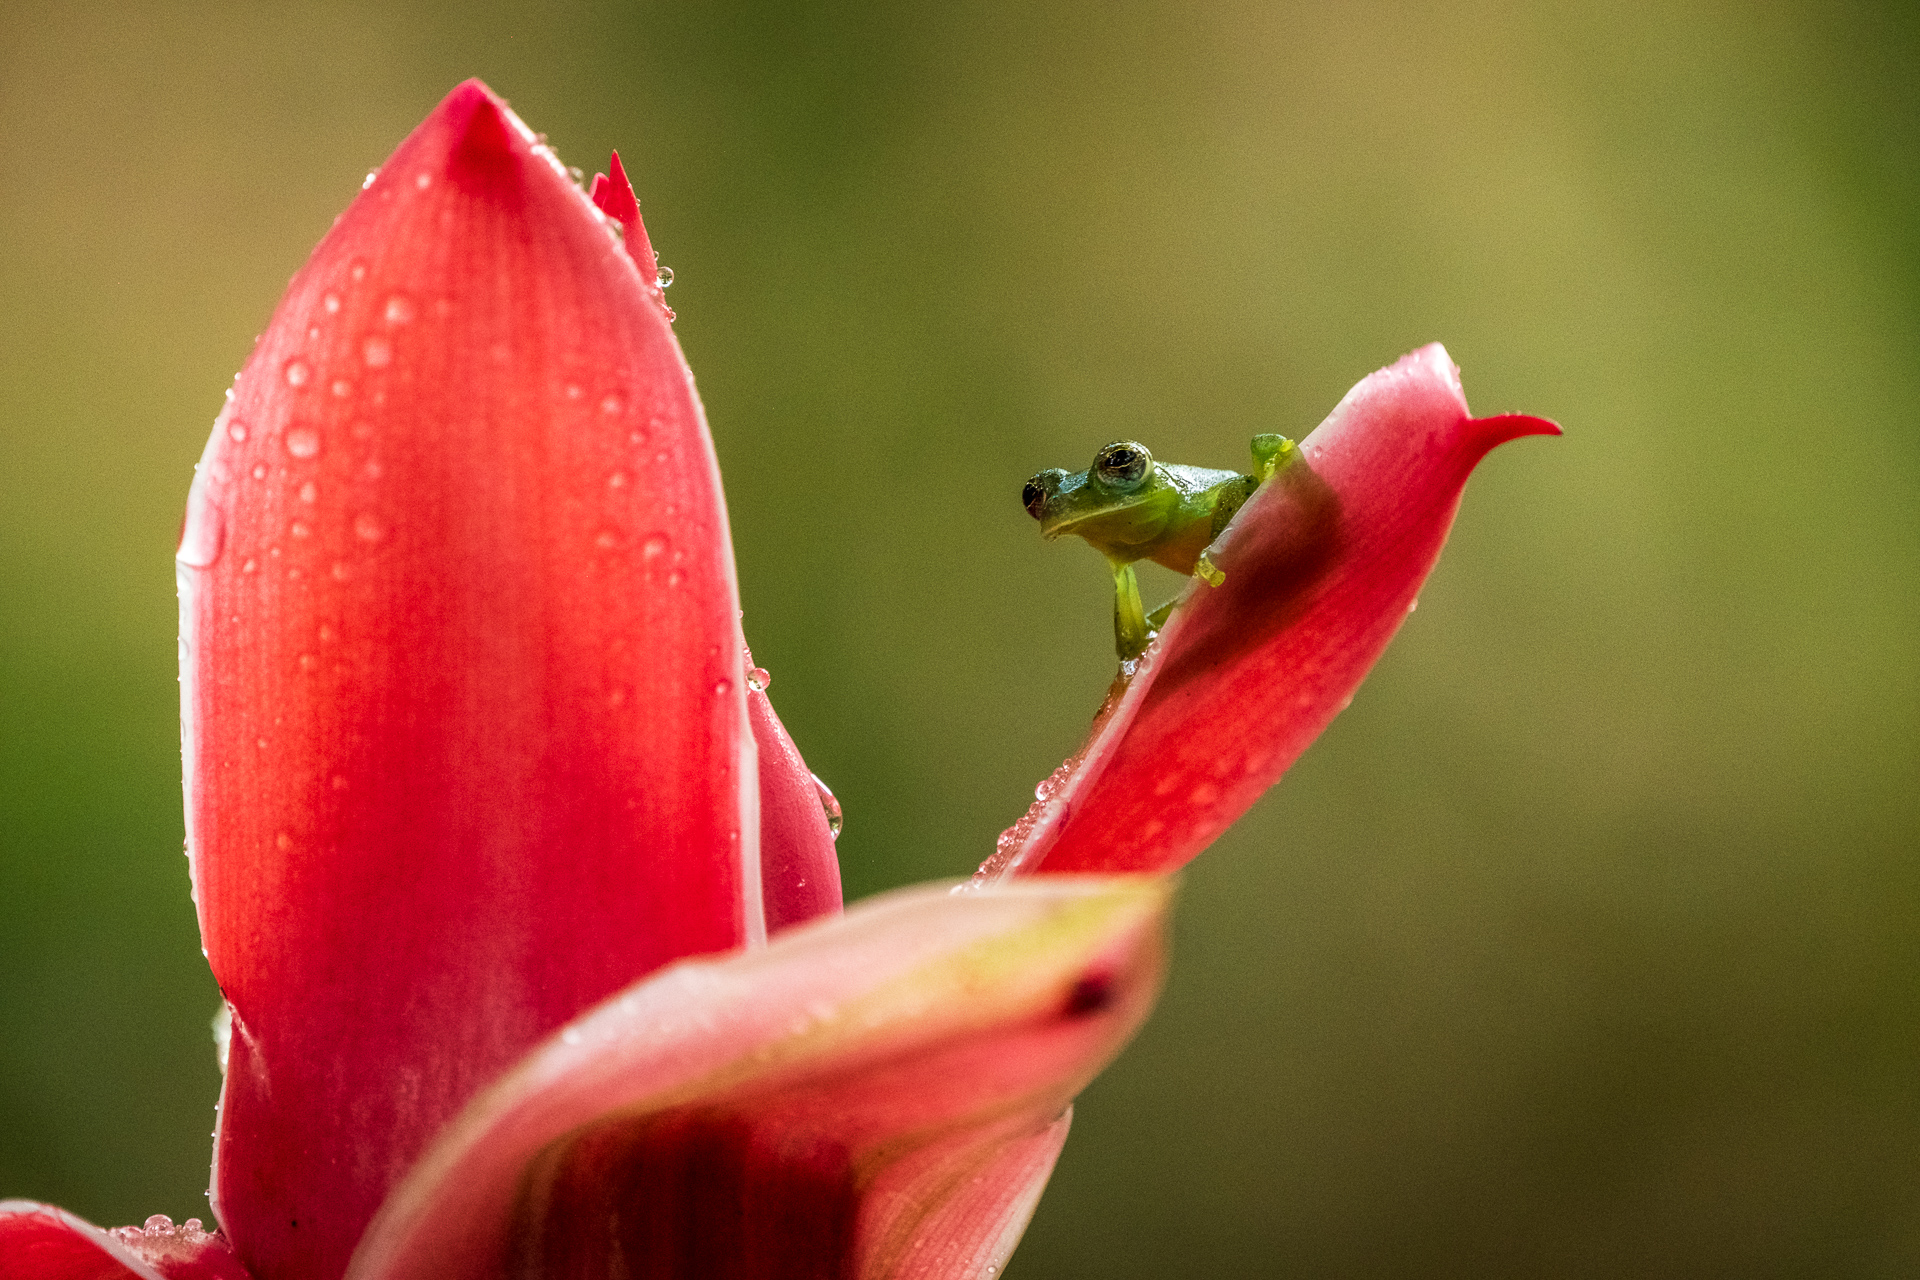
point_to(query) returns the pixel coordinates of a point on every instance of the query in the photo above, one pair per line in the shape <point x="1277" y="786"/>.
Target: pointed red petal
<point x="613" y="196"/>
<point x="465" y="719"/>
<point x="799" y="871"/>
<point x="41" y="1242"/>
<point x="880" y="1094"/>
<point x="1322" y="566"/>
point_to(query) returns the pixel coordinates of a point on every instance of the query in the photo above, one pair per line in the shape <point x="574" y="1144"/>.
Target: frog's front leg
<point x="1130" y="632"/>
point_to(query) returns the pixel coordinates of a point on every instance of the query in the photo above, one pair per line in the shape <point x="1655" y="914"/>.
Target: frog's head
<point x="1118" y="503"/>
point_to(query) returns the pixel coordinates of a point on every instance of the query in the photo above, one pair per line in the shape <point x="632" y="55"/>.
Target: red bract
<point x="1322" y="566"/>
<point x="474" y="749"/>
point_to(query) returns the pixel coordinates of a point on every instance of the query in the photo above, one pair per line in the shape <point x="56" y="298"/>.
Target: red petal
<point x="613" y="196"/>
<point x="465" y="718"/>
<point x="799" y="871"/>
<point x="1322" y="566"/>
<point x="40" y="1242"/>
<point x="876" y="1095"/>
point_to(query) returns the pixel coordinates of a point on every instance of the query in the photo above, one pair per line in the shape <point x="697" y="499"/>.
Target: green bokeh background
<point x="1587" y="943"/>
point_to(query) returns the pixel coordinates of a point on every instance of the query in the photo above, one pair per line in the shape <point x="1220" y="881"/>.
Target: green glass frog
<point x="1132" y="508"/>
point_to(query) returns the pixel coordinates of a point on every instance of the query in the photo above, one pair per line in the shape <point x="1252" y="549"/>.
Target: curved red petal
<point x="41" y="1242"/>
<point x="880" y="1094"/>
<point x="613" y="196"/>
<point x="1322" y="565"/>
<point x="464" y="711"/>
<point x="799" y="870"/>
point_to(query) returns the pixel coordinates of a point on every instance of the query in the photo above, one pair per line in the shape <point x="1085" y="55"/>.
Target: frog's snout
<point x="1037" y="490"/>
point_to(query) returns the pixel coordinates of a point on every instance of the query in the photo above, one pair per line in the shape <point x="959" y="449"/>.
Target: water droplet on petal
<point x="611" y="405"/>
<point x="331" y="302"/>
<point x="618" y="480"/>
<point x="723" y="687"/>
<point x="308" y="662"/>
<point x="205" y="532"/>
<point x="830" y="807"/>
<point x="260" y="471"/>
<point x="422" y="181"/>
<point x="372" y="176"/>
<point x="367" y="528"/>
<point x="298" y="529"/>
<point x="283" y="841"/>
<point x="665" y="278"/>
<point x="236" y="431"/>
<point x="399" y="309"/>
<point x="655" y="546"/>
<point x="303" y="442"/>
<point x="158" y="1222"/>
<point x="377" y="352"/>
<point x="298" y="372"/>
<point x="758" y="678"/>
<point x="358" y="271"/>
<point x="342" y="388"/>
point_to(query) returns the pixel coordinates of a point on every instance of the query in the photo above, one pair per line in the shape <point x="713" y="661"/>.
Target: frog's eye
<point x="1034" y="496"/>
<point x="1122" y="465"/>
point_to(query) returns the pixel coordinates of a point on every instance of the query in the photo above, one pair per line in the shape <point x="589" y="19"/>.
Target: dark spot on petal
<point x="1090" y="995"/>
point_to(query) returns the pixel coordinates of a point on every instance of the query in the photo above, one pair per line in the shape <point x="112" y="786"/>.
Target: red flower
<point x="472" y="751"/>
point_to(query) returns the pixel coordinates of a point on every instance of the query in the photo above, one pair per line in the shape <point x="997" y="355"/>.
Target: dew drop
<point x="1413" y="604"/>
<point x="655" y="546"/>
<point x="298" y="529"/>
<point x="158" y="1222"/>
<point x="367" y="528"/>
<point x="297" y="373"/>
<point x="340" y="571"/>
<point x="372" y="176"/>
<point x="342" y="388"/>
<point x="675" y="578"/>
<point x="830" y="807"/>
<point x="422" y="181"/>
<point x="758" y="678"/>
<point x="303" y="442"/>
<point x="283" y="841"/>
<point x="308" y="662"/>
<point x="205" y="532"/>
<point x="723" y="687"/>
<point x="260" y="471"/>
<point x="399" y="309"/>
<point x="236" y="431"/>
<point x="573" y="391"/>
<point x="377" y="352"/>
<point x="571" y="1036"/>
<point x="332" y="303"/>
<point x="665" y="278"/>
<point x="605" y="539"/>
<point x="357" y="272"/>
<point x="618" y="480"/>
<point x="249" y="566"/>
<point x="611" y="405"/>
<point x="308" y="492"/>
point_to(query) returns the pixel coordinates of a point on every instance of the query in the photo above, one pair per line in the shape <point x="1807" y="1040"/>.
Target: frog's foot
<point x="1270" y="453"/>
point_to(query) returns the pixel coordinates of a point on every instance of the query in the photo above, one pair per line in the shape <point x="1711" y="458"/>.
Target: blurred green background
<point x="1587" y="943"/>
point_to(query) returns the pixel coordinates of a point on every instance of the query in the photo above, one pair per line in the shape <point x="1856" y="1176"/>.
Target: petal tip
<point x="1494" y="431"/>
